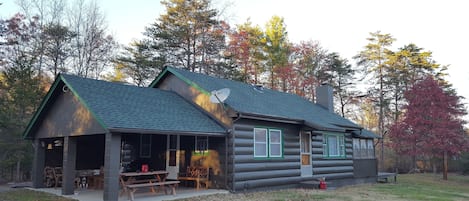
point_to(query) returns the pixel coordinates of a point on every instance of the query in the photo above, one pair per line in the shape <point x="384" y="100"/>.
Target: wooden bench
<point x="383" y="176"/>
<point x="199" y="175"/>
<point x="131" y="188"/>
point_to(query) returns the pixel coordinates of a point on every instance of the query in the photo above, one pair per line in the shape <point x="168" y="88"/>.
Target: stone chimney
<point x="324" y="97"/>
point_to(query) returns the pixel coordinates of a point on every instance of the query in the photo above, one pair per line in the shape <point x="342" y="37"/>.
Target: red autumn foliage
<point x="432" y="124"/>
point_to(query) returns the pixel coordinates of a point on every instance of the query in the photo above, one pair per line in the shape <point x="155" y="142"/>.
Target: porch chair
<point x="57" y="171"/>
<point x="49" y="179"/>
<point x="198" y="174"/>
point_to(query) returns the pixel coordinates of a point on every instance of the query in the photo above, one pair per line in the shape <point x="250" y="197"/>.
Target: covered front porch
<point x="116" y="153"/>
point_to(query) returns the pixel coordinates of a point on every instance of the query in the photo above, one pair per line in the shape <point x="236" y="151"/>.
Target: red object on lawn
<point x="322" y="185"/>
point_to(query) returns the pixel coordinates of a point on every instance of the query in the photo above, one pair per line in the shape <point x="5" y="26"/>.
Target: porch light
<point x="57" y="143"/>
<point x="49" y="146"/>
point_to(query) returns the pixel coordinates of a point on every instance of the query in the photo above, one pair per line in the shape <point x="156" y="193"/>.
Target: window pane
<point x="356" y="148"/>
<point x="274" y="136"/>
<point x="371" y="152"/>
<point x="325" y="150"/>
<point x="275" y="140"/>
<point x="172" y="158"/>
<point x="260" y="142"/>
<point x="260" y="135"/>
<point x="341" y="146"/>
<point x="333" y="145"/>
<point x="305" y="143"/>
<point x="275" y="150"/>
<point x="363" y="150"/>
<point x="261" y="150"/>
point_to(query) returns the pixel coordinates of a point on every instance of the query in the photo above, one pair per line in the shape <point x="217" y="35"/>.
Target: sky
<point x="439" y="26"/>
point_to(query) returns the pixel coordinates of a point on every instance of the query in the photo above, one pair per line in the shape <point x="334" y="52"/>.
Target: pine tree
<point x="188" y="35"/>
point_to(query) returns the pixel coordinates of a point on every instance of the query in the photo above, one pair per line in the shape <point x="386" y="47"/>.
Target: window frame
<point x="340" y="146"/>
<point x="276" y="143"/>
<point x="268" y="143"/>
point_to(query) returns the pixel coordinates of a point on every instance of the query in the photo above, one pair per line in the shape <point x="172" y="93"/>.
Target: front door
<point x="172" y="156"/>
<point x="305" y="152"/>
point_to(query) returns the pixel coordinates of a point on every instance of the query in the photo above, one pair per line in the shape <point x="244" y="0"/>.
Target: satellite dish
<point x="219" y="96"/>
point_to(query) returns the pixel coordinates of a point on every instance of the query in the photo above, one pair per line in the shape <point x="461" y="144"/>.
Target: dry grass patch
<point x="409" y="187"/>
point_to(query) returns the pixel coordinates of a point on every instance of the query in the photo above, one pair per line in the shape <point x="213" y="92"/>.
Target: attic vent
<point x="259" y="88"/>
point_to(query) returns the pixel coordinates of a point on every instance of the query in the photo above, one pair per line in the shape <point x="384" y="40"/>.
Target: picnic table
<point x="131" y="181"/>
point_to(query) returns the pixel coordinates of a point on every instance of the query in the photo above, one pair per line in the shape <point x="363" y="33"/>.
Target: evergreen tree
<point x="407" y="66"/>
<point x="188" y="35"/>
<point x="21" y="88"/>
<point x="140" y="63"/>
<point x="341" y="76"/>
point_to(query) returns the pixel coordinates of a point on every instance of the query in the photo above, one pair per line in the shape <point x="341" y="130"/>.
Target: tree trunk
<point x="18" y="168"/>
<point x="434" y="166"/>
<point x="445" y="166"/>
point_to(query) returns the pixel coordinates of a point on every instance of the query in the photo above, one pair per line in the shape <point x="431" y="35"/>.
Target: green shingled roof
<point x="245" y="98"/>
<point x="131" y="107"/>
<point x="119" y="106"/>
<point x="365" y="134"/>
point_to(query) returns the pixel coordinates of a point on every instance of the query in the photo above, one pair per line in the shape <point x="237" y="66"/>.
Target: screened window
<point x="333" y="145"/>
<point x="267" y="143"/>
<point x="356" y="147"/>
<point x="363" y="148"/>
<point x="371" y="150"/>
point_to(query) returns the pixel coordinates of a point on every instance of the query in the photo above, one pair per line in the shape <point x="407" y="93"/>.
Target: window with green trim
<point x="268" y="143"/>
<point x="260" y="142"/>
<point x="333" y="145"/>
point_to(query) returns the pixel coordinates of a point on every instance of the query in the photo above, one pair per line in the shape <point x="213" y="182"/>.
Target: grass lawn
<point x="30" y="195"/>
<point x="409" y="187"/>
<point x="428" y="187"/>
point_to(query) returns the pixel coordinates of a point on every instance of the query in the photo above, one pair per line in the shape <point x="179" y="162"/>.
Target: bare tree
<point x="92" y="48"/>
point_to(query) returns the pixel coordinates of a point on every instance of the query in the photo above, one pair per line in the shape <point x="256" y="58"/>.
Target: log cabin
<point x="254" y="139"/>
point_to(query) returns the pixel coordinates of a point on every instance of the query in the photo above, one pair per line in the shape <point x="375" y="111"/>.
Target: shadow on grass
<point x="29" y="195"/>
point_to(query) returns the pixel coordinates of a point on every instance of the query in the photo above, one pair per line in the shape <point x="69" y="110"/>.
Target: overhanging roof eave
<point x="248" y="115"/>
<point x="324" y="128"/>
<point x="155" y="131"/>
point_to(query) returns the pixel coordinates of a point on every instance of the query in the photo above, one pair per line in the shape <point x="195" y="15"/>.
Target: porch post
<point x="38" y="164"/>
<point x="68" y="168"/>
<point x="111" y="166"/>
